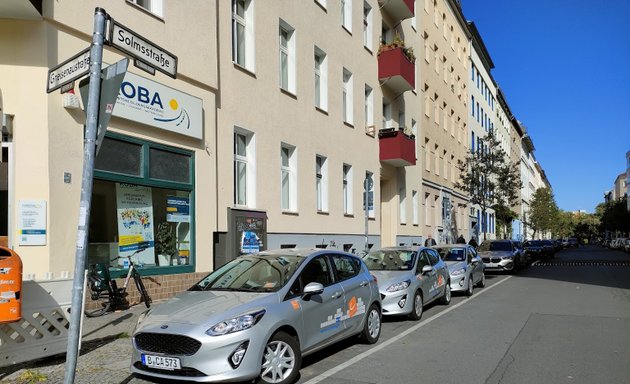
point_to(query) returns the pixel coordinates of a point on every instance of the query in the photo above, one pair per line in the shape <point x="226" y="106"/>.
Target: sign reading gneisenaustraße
<point x="135" y="45"/>
<point x="68" y="71"/>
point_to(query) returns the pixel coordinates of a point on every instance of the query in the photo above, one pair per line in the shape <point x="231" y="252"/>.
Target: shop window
<point x="145" y="214"/>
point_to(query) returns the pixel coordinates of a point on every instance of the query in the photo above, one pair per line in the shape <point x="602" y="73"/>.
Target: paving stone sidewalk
<point x="104" y="358"/>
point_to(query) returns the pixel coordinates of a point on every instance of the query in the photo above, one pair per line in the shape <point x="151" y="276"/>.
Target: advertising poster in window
<point x="32" y="222"/>
<point x="135" y="223"/>
<point x="177" y="209"/>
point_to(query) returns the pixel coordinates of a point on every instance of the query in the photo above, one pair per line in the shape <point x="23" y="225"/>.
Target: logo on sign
<point x="152" y="102"/>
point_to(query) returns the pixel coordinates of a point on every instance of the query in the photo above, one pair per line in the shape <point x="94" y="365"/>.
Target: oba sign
<point x="154" y="104"/>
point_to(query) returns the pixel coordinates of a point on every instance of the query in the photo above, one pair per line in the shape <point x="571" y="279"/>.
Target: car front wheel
<point x="469" y="289"/>
<point x="372" y="327"/>
<point x="418" y="307"/>
<point x="446" y="298"/>
<point x="281" y="360"/>
<point x="482" y="282"/>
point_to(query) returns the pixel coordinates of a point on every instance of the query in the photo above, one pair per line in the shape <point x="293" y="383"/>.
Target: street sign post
<point x="138" y="47"/>
<point x="75" y="67"/>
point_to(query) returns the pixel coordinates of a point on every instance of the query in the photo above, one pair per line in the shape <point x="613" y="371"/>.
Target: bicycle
<point x="105" y="290"/>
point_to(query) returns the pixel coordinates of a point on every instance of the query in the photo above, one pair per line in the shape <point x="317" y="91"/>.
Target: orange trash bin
<point x="10" y="286"/>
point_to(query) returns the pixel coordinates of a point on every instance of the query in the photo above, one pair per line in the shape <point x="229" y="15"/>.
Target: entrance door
<point x="5" y="195"/>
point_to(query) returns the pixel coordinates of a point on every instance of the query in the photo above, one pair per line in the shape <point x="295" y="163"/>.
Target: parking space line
<point x="377" y="348"/>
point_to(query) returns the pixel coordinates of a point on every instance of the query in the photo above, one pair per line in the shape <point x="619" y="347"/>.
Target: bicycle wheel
<point x="102" y="306"/>
<point x="144" y="295"/>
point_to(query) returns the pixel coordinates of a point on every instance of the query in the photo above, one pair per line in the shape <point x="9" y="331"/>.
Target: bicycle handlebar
<point x="130" y="256"/>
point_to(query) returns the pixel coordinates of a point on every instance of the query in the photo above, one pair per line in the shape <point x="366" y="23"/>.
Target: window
<point x="414" y="131"/>
<point x="423" y="260"/>
<point x="346" y="267"/>
<point x="321" y="79"/>
<point x="473" y="105"/>
<point x="321" y="183"/>
<point x="387" y="114"/>
<point x="288" y="178"/>
<point x="317" y="271"/>
<point x="347" y="189"/>
<point x="347" y="96"/>
<point x="287" y="57"/>
<point x="414" y="202"/>
<point x="472" y="145"/>
<point x="402" y="209"/>
<point x="434" y="257"/>
<point x="427" y="209"/>
<point x="242" y="33"/>
<point x="367" y="25"/>
<point x="322" y="3"/>
<point x="413" y="19"/>
<point x="135" y="179"/>
<point x="369" y="106"/>
<point x="346" y="14"/>
<point x="244" y="170"/>
<point x="154" y="6"/>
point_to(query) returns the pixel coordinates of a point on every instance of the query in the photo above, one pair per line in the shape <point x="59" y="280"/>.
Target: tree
<point x="615" y="216"/>
<point x="564" y="225"/>
<point x="505" y="216"/>
<point x="543" y="211"/>
<point x="488" y="177"/>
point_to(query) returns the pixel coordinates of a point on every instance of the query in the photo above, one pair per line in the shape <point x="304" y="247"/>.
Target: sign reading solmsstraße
<point x="68" y="71"/>
<point x="135" y="45"/>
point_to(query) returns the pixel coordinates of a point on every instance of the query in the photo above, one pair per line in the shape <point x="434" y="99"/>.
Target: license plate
<point x="161" y="362"/>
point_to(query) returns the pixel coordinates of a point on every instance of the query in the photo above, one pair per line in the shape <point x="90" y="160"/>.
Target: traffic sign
<point x="75" y="67"/>
<point x="140" y="48"/>
<point x="112" y="78"/>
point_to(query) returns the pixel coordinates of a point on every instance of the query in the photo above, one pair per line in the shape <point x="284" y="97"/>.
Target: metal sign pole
<point x="96" y="56"/>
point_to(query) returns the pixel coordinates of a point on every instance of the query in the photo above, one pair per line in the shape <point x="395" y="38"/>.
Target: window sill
<point x="415" y="225"/>
<point x="347" y="124"/>
<point x="288" y="93"/>
<point x="370" y="51"/>
<point x="244" y="69"/>
<point x="290" y="213"/>
<point x="325" y="213"/>
<point x="325" y="112"/>
<point x="348" y="215"/>
<point x="322" y="6"/>
<point x="347" y="30"/>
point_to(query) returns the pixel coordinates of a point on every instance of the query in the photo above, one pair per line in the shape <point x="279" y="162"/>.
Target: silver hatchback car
<point x="464" y="265"/>
<point x="409" y="278"/>
<point x="256" y="316"/>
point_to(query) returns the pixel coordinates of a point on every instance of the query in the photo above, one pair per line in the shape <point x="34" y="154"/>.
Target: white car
<point x="464" y="265"/>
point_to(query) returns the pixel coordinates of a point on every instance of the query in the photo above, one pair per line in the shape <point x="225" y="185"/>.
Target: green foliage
<point x="504" y="216"/>
<point x="30" y="377"/>
<point x="543" y="211"/>
<point x="165" y="240"/>
<point x="488" y="177"/>
<point x="615" y="216"/>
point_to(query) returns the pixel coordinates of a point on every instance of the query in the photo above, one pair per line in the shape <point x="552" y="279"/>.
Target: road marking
<point x="377" y="348"/>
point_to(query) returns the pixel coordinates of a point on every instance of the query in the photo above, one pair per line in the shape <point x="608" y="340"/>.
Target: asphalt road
<point x="565" y="321"/>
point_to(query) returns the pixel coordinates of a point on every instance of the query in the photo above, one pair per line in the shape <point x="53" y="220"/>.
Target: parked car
<point x="464" y="265"/>
<point x="501" y="255"/>
<point x="536" y="250"/>
<point x="550" y="247"/>
<point x="409" y="278"/>
<point x="257" y="316"/>
<point x="573" y="242"/>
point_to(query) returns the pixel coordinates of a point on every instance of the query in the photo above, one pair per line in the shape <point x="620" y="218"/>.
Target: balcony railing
<point x="397" y="9"/>
<point x="396" y="148"/>
<point x="396" y="70"/>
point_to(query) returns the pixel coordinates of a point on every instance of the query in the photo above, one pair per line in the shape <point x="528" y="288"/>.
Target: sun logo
<point x="180" y="118"/>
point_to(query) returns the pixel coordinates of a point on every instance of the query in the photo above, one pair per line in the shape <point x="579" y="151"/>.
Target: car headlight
<point x="235" y="324"/>
<point x="398" y="286"/>
<point x="458" y="272"/>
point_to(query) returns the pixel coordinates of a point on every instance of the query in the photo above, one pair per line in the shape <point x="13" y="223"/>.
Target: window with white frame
<point x="244" y="168"/>
<point x="347" y="189"/>
<point x="414" y="131"/>
<point x="287" y="57"/>
<point x="387" y="114"/>
<point x="367" y="25"/>
<point x="427" y="209"/>
<point x="242" y="33"/>
<point x="369" y="106"/>
<point x="321" y="79"/>
<point x="415" y="209"/>
<point x="402" y="208"/>
<point x="288" y="178"/>
<point x="346" y="14"/>
<point x="413" y="19"/>
<point x="347" y="97"/>
<point x="369" y="191"/>
<point x="156" y="7"/>
<point x="321" y="183"/>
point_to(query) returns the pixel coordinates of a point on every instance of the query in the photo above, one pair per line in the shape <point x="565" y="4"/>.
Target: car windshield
<point x="495" y="246"/>
<point x="534" y="243"/>
<point x="390" y="260"/>
<point x="252" y="273"/>
<point x="451" y="254"/>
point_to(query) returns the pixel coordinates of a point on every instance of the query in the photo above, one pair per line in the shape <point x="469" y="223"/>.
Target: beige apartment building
<point x="155" y="174"/>
<point x="444" y="70"/>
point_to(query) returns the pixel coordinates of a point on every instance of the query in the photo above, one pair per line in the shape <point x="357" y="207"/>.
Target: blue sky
<point x="564" y="67"/>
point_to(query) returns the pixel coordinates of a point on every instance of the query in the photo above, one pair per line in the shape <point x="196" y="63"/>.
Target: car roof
<point x="399" y="248"/>
<point x="302" y="252"/>
<point x="450" y="246"/>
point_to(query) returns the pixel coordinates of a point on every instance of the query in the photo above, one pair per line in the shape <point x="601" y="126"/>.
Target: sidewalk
<point x="104" y="357"/>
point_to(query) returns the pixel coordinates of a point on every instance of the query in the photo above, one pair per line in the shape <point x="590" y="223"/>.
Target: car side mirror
<point x="427" y="269"/>
<point x="313" y="289"/>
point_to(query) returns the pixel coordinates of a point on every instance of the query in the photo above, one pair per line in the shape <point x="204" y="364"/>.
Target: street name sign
<point x="75" y="67"/>
<point x="126" y="40"/>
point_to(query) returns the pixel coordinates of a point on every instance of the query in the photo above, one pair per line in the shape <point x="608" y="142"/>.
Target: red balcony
<point x="396" y="70"/>
<point x="396" y="148"/>
<point x="397" y="9"/>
